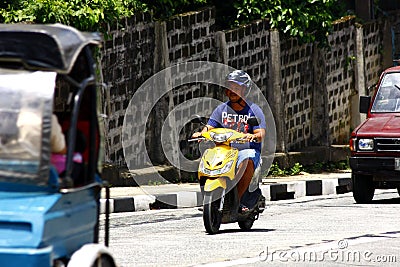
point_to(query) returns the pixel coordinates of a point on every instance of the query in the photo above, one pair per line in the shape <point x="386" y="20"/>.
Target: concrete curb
<point x="272" y="192"/>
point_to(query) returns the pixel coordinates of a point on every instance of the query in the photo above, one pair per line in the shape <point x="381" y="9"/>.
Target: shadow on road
<point x="387" y="201"/>
<point x="238" y="230"/>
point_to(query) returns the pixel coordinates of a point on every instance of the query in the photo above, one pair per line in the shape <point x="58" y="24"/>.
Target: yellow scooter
<point x="216" y="174"/>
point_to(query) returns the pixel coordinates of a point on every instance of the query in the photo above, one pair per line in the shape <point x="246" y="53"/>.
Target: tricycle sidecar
<point x="49" y="218"/>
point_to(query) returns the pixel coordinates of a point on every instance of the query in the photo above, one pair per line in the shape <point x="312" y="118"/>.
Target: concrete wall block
<point x="186" y="199"/>
<point x="298" y="187"/>
<point x="143" y="202"/>
<point x="329" y="186"/>
<point x="103" y="205"/>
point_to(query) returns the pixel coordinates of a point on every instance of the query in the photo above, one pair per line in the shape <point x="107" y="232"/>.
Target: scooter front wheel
<point x="212" y="217"/>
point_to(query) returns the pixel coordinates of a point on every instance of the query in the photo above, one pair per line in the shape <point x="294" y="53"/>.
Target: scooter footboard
<point x="213" y="184"/>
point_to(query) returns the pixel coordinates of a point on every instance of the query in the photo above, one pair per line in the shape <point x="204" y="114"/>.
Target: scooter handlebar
<point x="236" y="141"/>
<point x="242" y="140"/>
<point x="196" y="139"/>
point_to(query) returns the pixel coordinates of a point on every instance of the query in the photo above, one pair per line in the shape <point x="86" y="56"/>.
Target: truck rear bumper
<point x="381" y="168"/>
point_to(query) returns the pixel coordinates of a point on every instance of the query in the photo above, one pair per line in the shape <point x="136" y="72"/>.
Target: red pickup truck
<point x="375" y="143"/>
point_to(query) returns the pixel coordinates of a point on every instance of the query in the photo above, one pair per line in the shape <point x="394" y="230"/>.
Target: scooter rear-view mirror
<point x="253" y="121"/>
<point x="198" y="119"/>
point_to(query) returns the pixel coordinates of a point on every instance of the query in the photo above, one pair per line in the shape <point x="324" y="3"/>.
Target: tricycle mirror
<point x="253" y="121"/>
<point x="365" y="102"/>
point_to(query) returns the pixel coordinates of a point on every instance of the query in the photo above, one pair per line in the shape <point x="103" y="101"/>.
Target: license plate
<point x="397" y="164"/>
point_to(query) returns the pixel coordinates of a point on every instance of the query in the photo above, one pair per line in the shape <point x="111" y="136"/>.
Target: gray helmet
<point x="240" y="77"/>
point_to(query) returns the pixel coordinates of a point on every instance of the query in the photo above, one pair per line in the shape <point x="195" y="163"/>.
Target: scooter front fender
<point x="212" y="184"/>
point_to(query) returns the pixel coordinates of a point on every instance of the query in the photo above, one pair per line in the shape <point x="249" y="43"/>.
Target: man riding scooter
<point x="233" y="114"/>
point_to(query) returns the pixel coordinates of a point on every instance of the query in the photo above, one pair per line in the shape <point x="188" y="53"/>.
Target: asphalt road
<point x="326" y="230"/>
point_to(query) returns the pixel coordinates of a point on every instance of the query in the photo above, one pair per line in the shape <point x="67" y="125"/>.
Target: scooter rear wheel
<point x="247" y="224"/>
<point x="212" y="217"/>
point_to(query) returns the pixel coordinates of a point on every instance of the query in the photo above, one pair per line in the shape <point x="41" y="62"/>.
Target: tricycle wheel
<point x="212" y="217"/>
<point x="363" y="188"/>
<point x="247" y="224"/>
<point x="104" y="261"/>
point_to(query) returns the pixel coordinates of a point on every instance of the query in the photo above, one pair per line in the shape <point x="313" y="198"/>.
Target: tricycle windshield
<point x="388" y="96"/>
<point x="25" y="110"/>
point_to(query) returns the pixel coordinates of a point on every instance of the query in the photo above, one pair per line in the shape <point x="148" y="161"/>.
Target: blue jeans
<point x="249" y="199"/>
<point x="251" y="154"/>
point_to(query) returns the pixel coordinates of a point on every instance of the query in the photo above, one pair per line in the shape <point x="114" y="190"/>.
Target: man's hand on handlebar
<point x="205" y="129"/>
<point x="250" y="137"/>
<point x="196" y="134"/>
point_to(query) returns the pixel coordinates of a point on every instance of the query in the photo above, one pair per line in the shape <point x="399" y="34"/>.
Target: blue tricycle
<point x="48" y="217"/>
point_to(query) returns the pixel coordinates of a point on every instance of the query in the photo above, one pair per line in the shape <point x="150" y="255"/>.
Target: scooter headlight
<point x="222" y="170"/>
<point x="227" y="167"/>
<point x="220" y="137"/>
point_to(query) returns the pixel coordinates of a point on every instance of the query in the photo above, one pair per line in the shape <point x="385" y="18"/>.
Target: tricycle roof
<point x="52" y="47"/>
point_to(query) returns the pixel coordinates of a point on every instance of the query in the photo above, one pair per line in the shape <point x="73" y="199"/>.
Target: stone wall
<point x="248" y="48"/>
<point x="127" y="61"/>
<point x="340" y="79"/>
<point x="312" y="91"/>
<point x="297" y="74"/>
<point x="190" y="36"/>
<point x="373" y="38"/>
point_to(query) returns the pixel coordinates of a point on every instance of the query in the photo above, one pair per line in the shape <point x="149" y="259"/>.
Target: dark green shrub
<point x="85" y="15"/>
<point x="166" y="8"/>
<point x="309" y="20"/>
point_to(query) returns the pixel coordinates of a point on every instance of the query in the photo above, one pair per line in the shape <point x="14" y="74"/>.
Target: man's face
<point x="234" y="91"/>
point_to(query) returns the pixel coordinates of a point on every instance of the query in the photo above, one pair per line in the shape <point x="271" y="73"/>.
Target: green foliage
<point x="275" y="170"/>
<point x="349" y="61"/>
<point x="152" y="183"/>
<point x="167" y="8"/>
<point x="317" y="167"/>
<point x="309" y="20"/>
<point x="192" y="179"/>
<point x="328" y="166"/>
<point x="89" y="15"/>
<point x="296" y="169"/>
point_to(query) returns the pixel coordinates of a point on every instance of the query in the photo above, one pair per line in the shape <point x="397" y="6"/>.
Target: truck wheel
<point x="363" y="188"/>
